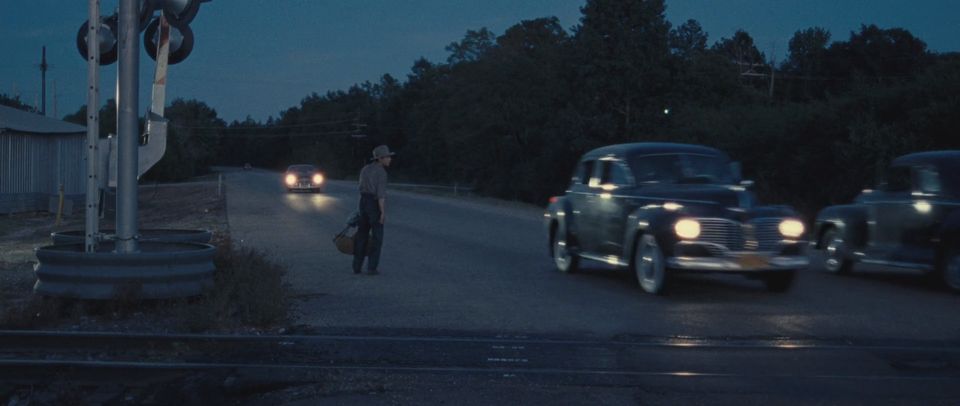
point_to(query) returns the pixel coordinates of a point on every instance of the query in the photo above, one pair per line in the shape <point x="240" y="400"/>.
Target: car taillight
<point x="553" y="199"/>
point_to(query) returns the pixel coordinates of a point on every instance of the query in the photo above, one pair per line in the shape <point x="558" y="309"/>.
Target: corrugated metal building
<point x="37" y="155"/>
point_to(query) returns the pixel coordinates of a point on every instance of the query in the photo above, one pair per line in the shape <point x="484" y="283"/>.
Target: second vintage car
<point x="303" y="177"/>
<point x="659" y="208"/>
<point x="911" y="221"/>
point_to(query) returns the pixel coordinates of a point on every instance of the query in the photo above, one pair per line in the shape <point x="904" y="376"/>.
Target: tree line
<point x="510" y="114"/>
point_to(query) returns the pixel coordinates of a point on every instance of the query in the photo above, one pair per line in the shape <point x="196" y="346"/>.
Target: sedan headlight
<point x="791" y="228"/>
<point x="687" y="228"/>
<point x="291" y="179"/>
<point x="317" y="179"/>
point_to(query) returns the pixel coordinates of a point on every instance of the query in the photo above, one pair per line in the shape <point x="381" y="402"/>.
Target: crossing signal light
<point x="181" y="41"/>
<point x="108" y="40"/>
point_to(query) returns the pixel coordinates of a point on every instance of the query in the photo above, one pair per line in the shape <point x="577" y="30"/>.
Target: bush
<point x="249" y="291"/>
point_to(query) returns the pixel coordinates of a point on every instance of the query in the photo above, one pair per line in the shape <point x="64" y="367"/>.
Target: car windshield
<point x="680" y="168"/>
<point x="948" y="180"/>
<point x="302" y="168"/>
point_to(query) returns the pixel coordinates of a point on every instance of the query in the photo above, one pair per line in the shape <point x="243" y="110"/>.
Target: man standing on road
<point x="373" y="193"/>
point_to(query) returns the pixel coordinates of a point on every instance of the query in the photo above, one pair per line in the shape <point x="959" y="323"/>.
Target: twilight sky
<point x="257" y="58"/>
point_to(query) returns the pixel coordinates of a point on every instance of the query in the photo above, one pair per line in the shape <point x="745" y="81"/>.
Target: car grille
<point x="305" y="182"/>
<point x="755" y="235"/>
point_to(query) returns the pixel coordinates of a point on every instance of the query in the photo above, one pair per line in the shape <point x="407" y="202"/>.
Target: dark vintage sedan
<point x="659" y="208"/>
<point x="910" y="221"/>
<point x="303" y="177"/>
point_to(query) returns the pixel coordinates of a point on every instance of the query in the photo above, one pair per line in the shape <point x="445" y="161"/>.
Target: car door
<point x="615" y="203"/>
<point x="923" y="217"/>
<point x="581" y="204"/>
<point x="888" y="211"/>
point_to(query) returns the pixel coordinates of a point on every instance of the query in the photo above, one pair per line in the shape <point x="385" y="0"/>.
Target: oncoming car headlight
<point x="687" y="228"/>
<point x="290" y="179"/>
<point x="317" y="179"/>
<point x="791" y="228"/>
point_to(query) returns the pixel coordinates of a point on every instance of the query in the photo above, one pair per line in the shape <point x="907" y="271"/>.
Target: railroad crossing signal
<point x="108" y="40"/>
<point x="181" y="41"/>
<point x="179" y="13"/>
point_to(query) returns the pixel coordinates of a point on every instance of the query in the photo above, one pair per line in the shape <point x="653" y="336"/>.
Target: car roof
<point x="653" y="148"/>
<point x="949" y="158"/>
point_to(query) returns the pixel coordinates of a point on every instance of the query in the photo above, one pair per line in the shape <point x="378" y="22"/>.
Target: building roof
<point x="18" y="121"/>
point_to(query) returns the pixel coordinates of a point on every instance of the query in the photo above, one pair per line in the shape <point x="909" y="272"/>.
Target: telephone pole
<point x="773" y="67"/>
<point x="43" y="81"/>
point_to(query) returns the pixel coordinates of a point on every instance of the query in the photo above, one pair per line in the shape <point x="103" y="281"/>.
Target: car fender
<point x="650" y="220"/>
<point x="850" y="220"/>
<point x="557" y="215"/>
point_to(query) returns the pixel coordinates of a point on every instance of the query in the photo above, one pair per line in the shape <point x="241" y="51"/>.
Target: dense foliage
<point x="510" y="114"/>
<point x="14" y="102"/>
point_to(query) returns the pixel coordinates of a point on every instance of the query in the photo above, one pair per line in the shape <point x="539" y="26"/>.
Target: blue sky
<point x="258" y="58"/>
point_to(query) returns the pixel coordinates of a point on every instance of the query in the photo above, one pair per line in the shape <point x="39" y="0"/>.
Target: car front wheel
<point x="835" y="253"/>
<point x="565" y="260"/>
<point x="649" y="265"/>
<point x="951" y="270"/>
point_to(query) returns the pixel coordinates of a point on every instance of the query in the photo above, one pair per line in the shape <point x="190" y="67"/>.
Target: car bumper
<point x="739" y="263"/>
<point x="305" y="186"/>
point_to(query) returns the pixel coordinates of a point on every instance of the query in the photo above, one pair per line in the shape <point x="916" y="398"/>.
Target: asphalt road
<point x="471" y="267"/>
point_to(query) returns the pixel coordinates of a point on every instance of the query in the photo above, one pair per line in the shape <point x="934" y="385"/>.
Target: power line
<point x="318" y="123"/>
<point x="310" y="134"/>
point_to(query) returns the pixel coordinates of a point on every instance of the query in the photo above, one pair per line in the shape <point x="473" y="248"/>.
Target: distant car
<point x="247" y="166"/>
<point x="911" y="220"/>
<point x="303" y="177"/>
<point x="659" y="208"/>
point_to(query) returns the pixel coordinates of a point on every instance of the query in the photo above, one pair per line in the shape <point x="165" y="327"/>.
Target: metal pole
<point x="128" y="127"/>
<point x="93" y="127"/>
<point x="43" y="80"/>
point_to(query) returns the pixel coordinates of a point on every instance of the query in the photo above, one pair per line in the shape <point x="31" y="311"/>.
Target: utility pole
<point x="43" y="81"/>
<point x="773" y="67"/>
<point x="357" y="134"/>
<point x="55" y="99"/>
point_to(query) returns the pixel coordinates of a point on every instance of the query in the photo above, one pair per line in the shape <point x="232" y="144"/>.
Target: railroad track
<point x="750" y="358"/>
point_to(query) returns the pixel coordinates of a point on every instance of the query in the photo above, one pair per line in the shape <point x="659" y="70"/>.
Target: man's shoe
<point x="372" y="272"/>
<point x="356" y="272"/>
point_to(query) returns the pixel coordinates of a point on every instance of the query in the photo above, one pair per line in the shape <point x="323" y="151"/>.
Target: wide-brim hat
<point x="382" y="151"/>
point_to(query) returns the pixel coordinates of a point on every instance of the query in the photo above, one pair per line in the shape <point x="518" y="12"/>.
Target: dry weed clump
<point x="249" y="291"/>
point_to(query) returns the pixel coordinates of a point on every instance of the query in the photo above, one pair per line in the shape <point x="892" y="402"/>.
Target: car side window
<point x="613" y="173"/>
<point x="926" y="180"/>
<point x="897" y="180"/>
<point x="584" y="172"/>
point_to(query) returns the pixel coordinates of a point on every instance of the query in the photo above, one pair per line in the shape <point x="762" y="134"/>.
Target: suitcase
<point x="344" y="240"/>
